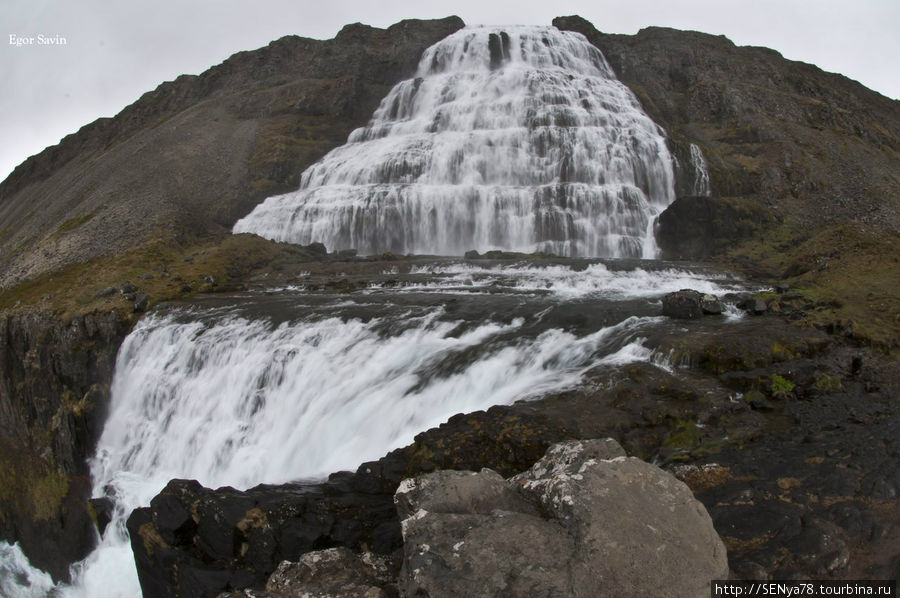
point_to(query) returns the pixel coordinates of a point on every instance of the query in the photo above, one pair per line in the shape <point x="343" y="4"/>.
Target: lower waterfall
<point x="293" y="384"/>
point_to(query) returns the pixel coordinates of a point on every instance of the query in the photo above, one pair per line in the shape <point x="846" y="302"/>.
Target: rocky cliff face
<point x="811" y="147"/>
<point x="197" y="153"/>
<point x="54" y="388"/>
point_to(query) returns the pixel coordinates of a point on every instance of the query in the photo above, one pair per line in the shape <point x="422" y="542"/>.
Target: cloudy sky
<point x="116" y="50"/>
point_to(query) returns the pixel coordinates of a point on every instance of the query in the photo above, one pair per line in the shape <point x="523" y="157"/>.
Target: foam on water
<point x="567" y="283"/>
<point x="18" y="579"/>
<point x="227" y="400"/>
<point x="517" y="138"/>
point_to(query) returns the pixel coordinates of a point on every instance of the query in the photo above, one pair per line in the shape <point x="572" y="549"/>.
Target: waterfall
<point x="293" y="384"/>
<point x="700" y="187"/>
<point x="516" y="138"/>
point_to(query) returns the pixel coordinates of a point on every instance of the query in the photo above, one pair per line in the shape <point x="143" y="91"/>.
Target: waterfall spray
<point x="517" y="138"/>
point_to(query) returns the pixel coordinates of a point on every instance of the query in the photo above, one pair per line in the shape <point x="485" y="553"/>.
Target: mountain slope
<point x="192" y="156"/>
<point x="815" y="146"/>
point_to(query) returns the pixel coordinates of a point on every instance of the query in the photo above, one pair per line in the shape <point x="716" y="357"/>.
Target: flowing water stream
<point x="276" y="385"/>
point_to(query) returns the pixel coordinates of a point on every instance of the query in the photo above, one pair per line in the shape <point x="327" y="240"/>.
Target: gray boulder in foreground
<point x="585" y="520"/>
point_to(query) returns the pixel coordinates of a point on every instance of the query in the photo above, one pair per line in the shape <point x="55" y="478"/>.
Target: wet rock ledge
<point x="585" y="519"/>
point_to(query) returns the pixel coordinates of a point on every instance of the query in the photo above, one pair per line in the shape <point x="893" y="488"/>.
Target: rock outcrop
<point x="585" y="520"/>
<point x="193" y="541"/>
<point x="699" y="227"/>
<point x="783" y="140"/>
<point x="688" y="304"/>
<point x="54" y="390"/>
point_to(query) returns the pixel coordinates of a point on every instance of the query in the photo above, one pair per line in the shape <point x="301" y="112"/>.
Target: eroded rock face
<point x="54" y="391"/>
<point x="585" y="520"/>
<point x="698" y="227"/>
<point x="752" y="113"/>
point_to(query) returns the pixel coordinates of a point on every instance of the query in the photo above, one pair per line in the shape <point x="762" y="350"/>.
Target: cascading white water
<point x="18" y="579"/>
<point x="226" y="398"/>
<point x="229" y="397"/>
<point x="517" y="138"/>
<point x="243" y="402"/>
<point x="700" y="186"/>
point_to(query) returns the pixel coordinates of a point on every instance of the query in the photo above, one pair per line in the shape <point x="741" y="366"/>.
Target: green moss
<point x="753" y="395"/>
<point x="849" y="272"/>
<point x="766" y="295"/>
<point x="781" y="386"/>
<point x="783" y="353"/>
<point x="828" y="382"/>
<point x="47" y="495"/>
<point x="686" y="436"/>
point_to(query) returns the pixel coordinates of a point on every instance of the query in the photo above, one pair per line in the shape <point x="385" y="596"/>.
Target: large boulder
<point x="698" y="227"/>
<point x="584" y="521"/>
<point x="688" y="304"/>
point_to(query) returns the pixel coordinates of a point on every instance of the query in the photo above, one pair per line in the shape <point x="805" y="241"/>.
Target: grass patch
<point x="828" y="382"/>
<point x="30" y="487"/>
<point x="781" y="386"/>
<point x="850" y="273"/>
<point x="165" y="271"/>
<point x="47" y="495"/>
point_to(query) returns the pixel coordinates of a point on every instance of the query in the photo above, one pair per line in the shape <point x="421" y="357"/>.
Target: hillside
<point x="191" y="157"/>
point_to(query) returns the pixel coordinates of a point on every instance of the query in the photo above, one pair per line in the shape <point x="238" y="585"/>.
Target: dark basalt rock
<point x="318" y="249"/>
<point x="193" y="541"/>
<point x="54" y="393"/>
<point x="688" y="304"/>
<point x="711" y="305"/>
<point x="141" y="302"/>
<point x="103" y="509"/>
<point x="698" y="227"/>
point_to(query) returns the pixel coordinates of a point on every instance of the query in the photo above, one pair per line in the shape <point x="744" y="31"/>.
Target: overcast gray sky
<point x="117" y="50"/>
